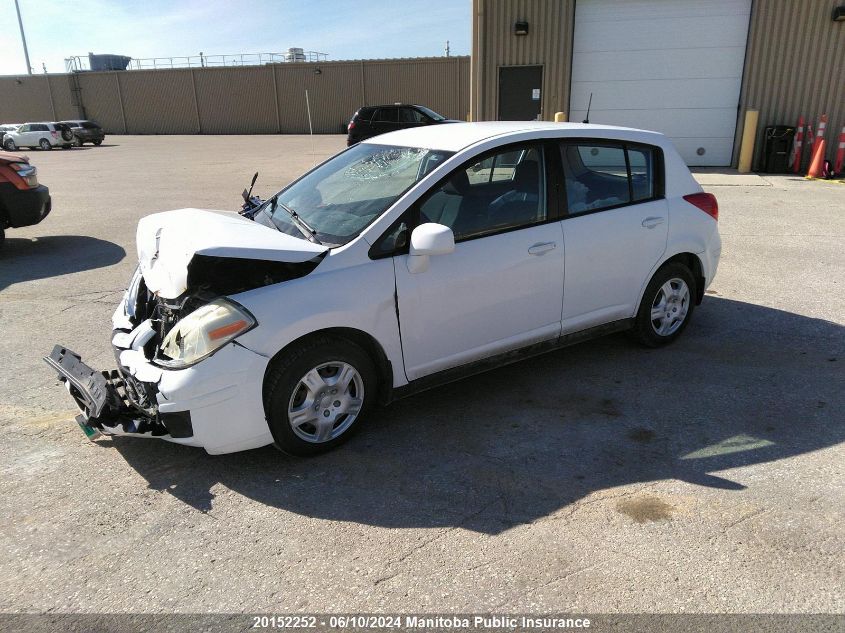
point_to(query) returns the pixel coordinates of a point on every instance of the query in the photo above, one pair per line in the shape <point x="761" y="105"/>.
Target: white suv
<point x="43" y="135"/>
<point x="405" y="261"/>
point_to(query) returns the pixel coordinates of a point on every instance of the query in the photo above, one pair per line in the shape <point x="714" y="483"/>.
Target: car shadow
<point x="744" y="385"/>
<point x="26" y="259"/>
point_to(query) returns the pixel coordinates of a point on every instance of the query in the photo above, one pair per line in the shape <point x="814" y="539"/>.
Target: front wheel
<point x="44" y="144"/>
<point x="666" y="307"/>
<point x="316" y="395"/>
<point x="98" y="143"/>
<point x="9" y="145"/>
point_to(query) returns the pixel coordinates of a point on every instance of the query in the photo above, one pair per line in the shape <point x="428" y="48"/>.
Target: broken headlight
<point x="203" y="332"/>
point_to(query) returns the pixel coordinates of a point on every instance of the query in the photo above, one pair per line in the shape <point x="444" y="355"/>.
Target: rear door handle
<point x="650" y="223"/>
<point x="541" y="248"/>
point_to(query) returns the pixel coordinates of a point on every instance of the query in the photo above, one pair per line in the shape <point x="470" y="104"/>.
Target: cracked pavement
<point x="706" y="477"/>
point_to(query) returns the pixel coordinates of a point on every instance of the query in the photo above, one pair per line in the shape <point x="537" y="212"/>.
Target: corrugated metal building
<point x="688" y="68"/>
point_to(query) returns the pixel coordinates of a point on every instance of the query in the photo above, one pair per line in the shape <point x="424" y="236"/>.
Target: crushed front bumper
<point x="105" y="400"/>
<point x="216" y="404"/>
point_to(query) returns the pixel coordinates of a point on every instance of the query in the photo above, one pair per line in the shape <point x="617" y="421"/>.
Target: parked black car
<point x="371" y="121"/>
<point x="86" y="132"/>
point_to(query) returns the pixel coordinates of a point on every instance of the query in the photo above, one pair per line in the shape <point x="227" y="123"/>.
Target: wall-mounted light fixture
<point x="839" y="13"/>
<point x="520" y="28"/>
<point x="317" y="71"/>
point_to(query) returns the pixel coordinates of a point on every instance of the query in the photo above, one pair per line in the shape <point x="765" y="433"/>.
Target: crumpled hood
<point x="168" y="241"/>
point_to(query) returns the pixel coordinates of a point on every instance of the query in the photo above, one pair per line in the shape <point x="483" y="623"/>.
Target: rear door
<point x="615" y="228"/>
<point x="384" y="120"/>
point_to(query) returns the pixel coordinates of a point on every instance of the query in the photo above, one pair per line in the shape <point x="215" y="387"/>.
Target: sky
<point x="356" y="29"/>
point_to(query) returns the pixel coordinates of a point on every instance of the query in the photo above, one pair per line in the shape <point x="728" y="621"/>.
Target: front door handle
<point x="541" y="248"/>
<point x="650" y="223"/>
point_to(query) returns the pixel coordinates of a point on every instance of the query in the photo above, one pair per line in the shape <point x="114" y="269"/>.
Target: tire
<point x="666" y="307"/>
<point x="308" y="419"/>
<point x="98" y="143"/>
<point x="9" y="145"/>
<point x="66" y="146"/>
<point x="2" y="237"/>
<point x="44" y="144"/>
<point x="79" y="142"/>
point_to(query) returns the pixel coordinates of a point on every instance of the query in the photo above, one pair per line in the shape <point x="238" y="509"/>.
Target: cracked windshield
<point x="341" y="197"/>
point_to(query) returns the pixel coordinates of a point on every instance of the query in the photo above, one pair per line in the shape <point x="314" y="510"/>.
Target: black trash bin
<point x="777" y="148"/>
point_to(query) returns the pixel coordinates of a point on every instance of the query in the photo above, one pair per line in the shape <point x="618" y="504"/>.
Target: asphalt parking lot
<point x="704" y="477"/>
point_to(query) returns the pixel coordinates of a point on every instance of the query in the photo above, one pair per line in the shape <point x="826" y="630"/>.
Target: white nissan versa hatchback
<point x="405" y="261"/>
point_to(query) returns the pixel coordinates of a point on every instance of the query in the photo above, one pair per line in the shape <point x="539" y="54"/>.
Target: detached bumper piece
<point x="105" y="401"/>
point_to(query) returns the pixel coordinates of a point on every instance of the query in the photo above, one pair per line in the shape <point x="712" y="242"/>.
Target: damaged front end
<point x="157" y="334"/>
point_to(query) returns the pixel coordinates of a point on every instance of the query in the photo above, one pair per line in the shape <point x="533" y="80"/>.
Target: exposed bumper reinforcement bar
<point x="101" y="397"/>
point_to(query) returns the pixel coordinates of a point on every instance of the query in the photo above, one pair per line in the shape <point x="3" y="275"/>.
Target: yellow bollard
<point x="560" y="117"/>
<point x="749" y="135"/>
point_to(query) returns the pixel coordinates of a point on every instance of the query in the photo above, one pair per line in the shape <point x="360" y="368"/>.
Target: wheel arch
<point x="362" y="339"/>
<point x="692" y="262"/>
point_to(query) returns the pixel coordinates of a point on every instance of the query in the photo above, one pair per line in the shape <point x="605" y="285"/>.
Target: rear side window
<point x="39" y="127"/>
<point x="604" y="175"/>
<point x="365" y="114"/>
<point x="643" y="178"/>
<point x="385" y="114"/>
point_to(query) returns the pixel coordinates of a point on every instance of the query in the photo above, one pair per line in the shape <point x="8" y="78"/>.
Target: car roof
<point x="457" y="136"/>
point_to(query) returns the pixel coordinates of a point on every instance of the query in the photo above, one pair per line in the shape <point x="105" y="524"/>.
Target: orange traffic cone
<point x="817" y="162"/>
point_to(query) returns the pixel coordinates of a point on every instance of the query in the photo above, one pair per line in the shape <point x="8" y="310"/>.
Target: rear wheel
<point x="666" y="307"/>
<point x="66" y="146"/>
<point x="79" y="142"/>
<point x="44" y="144"/>
<point x="2" y="237"/>
<point x="316" y="395"/>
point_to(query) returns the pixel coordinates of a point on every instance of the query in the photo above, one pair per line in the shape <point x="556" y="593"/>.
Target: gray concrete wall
<point x="245" y="100"/>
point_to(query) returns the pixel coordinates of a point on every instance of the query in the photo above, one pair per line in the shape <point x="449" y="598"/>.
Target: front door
<point x="520" y="89"/>
<point x="502" y="287"/>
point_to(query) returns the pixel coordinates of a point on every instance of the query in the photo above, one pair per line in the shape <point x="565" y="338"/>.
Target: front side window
<point x="342" y="196"/>
<point x="431" y="113"/>
<point x="497" y="192"/>
<point x="409" y="115"/>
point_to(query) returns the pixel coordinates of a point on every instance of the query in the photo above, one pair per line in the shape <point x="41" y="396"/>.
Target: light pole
<point x="23" y="39"/>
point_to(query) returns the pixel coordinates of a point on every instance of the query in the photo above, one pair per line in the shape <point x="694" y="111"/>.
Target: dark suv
<point x="86" y="132"/>
<point x="371" y="121"/>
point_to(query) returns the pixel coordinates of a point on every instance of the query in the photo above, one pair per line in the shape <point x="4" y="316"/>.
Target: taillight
<point x="350" y="126"/>
<point x="706" y="202"/>
<point x="54" y="134"/>
<point x="27" y="172"/>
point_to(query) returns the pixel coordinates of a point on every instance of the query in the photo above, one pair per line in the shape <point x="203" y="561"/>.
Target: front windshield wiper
<point x="309" y="232"/>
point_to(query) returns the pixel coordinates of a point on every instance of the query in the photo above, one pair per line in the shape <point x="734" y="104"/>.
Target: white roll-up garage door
<point x="674" y="66"/>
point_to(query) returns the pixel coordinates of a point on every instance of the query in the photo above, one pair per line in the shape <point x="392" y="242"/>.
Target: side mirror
<point x="426" y="240"/>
